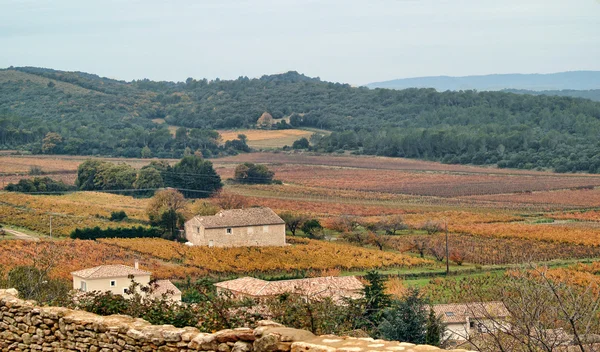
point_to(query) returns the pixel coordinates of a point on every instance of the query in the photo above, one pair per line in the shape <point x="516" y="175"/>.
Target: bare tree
<point x="391" y="224"/>
<point x="437" y="249"/>
<point x="345" y="223"/>
<point x="420" y="244"/>
<point x="230" y="201"/>
<point x="293" y="220"/>
<point x="432" y="227"/>
<point x="377" y="240"/>
<point x="544" y="314"/>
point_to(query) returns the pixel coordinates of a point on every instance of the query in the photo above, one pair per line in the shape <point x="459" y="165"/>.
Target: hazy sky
<point x="347" y="41"/>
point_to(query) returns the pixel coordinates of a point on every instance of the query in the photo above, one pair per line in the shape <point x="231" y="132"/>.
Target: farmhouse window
<point x="125" y="290"/>
<point x="113" y="283"/>
<point x="83" y="286"/>
<point x="197" y="229"/>
<point x="229" y="231"/>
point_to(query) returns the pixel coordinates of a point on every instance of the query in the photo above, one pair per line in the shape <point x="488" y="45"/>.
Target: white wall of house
<point x="456" y="331"/>
<point x="116" y="285"/>
<point x="460" y="331"/>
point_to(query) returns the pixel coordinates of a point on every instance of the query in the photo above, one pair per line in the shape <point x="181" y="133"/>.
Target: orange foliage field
<point x="67" y="256"/>
<point x="267" y="138"/>
<point x="303" y="254"/>
<point x="584" y="276"/>
<point x="166" y="259"/>
<point x="569" y="233"/>
<point x="69" y="211"/>
<point x="479" y="201"/>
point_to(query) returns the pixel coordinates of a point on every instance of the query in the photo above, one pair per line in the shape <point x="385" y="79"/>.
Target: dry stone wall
<point x="27" y="327"/>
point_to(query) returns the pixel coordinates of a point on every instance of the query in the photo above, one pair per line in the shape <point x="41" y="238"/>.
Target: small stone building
<point x="116" y="279"/>
<point x="237" y="228"/>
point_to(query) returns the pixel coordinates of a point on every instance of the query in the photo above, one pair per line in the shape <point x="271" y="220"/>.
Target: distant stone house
<point x="117" y="279"/>
<point x="465" y="319"/>
<point x="333" y="287"/>
<point x="237" y="228"/>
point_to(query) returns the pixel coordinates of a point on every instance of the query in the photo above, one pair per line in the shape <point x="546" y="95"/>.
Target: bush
<point x="116" y="232"/>
<point x="39" y="185"/>
<point x="250" y="173"/>
<point x="312" y="228"/>
<point x="118" y="215"/>
<point x="35" y="170"/>
<point x="301" y="143"/>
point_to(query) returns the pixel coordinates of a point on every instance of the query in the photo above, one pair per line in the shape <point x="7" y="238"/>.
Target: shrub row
<point x="116" y="232"/>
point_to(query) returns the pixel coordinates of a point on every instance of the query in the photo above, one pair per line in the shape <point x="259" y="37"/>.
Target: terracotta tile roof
<point x="165" y="286"/>
<point x="336" y="287"/>
<point x="102" y="271"/>
<point x="240" y="217"/>
<point x="459" y="312"/>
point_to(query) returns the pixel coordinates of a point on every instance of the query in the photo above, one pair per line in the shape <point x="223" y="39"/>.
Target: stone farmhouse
<point x="116" y="279"/>
<point x="336" y="288"/>
<point x="237" y="228"/>
<point x="464" y="320"/>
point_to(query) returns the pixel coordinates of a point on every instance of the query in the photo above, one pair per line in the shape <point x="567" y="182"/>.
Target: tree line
<point x="86" y="114"/>
<point x="193" y="175"/>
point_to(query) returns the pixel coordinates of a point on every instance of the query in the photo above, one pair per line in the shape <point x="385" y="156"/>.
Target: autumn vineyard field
<point x="494" y="216"/>
<point x="167" y="259"/>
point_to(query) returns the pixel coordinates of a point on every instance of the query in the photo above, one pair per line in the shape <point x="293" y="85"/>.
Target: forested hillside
<point x="87" y="114"/>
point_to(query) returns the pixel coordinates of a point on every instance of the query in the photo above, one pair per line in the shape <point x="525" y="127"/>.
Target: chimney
<point x="136" y="264"/>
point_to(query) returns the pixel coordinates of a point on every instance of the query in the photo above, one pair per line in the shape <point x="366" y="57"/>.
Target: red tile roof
<point x="240" y="217"/>
<point x="105" y="271"/>
<point x="336" y="287"/>
<point x="459" y="312"/>
<point x="165" y="286"/>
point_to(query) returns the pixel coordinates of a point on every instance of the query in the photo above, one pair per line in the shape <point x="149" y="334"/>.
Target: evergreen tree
<point x="375" y="297"/>
<point x="434" y="329"/>
<point x="405" y="320"/>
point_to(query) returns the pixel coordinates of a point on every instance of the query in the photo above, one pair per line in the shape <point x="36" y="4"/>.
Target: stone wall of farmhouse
<point x="242" y="236"/>
<point x="27" y="327"/>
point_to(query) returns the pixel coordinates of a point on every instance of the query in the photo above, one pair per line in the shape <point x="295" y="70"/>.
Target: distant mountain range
<point x="572" y="80"/>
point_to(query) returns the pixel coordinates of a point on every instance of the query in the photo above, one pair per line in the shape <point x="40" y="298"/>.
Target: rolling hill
<point x="573" y="80"/>
<point x="58" y="112"/>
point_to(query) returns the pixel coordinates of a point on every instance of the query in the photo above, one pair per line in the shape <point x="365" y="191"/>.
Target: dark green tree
<point x="405" y="319"/>
<point x="293" y="221"/>
<point x="250" y="173"/>
<point x="39" y="185"/>
<point x="86" y="174"/>
<point x="301" y="143"/>
<point x="311" y="228"/>
<point x="194" y="177"/>
<point x="148" y="180"/>
<point x="434" y="329"/>
<point x="376" y="300"/>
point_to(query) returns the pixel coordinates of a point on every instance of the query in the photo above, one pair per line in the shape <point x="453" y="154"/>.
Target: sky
<point x="348" y="41"/>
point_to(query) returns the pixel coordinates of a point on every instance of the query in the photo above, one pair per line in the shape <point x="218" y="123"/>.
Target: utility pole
<point x="447" y="260"/>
